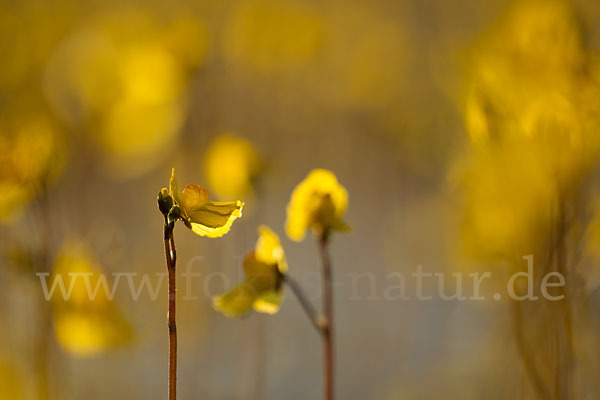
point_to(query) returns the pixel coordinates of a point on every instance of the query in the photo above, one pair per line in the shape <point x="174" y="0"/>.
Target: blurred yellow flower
<point x="37" y="33"/>
<point x="271" y="36"/>
<point x="532" y="113"/>
<point x="204" y="217"/>
<point x="593" y="231"/>
<point x="262" y="289"/>
<point x="317" y="203"/>
<point x="511" y="200"/>
<point x="527" y="79"/>
<point x="11" y="382"/>
<point x="124" y="78"/>
<point x="32" y="155"/>
<point x="230" y="165"/>
<point x="88" y="322"/>
<point x="366" y="57"/>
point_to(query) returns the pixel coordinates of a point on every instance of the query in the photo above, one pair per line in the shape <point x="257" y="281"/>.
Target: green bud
<point x="165" y="201"/>
<point x="174" y="214"/>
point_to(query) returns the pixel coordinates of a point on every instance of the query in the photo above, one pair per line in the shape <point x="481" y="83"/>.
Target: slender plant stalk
<point x="328" y="355"/>
<point x="44" y="342"/>
<point x="566" y="333"/>
<point x="43" y="351"/>
<point x="528" y="362"/>
<point x="318" y="321"/>
<point x="257" y="392"/>
<point x="322" y="323"/>
<point x="171" y="258"/>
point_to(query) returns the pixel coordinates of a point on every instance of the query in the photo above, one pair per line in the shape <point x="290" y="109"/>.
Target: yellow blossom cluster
<point x="84" y="325"/>
<point x="532" y="111"/>
<point x="123" y="77"/>
<point x="317" y="204"/>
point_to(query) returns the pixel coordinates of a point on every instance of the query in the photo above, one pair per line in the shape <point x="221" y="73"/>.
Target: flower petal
<point x="268" y="249"/>
<point x="296" y="224"/>
<point x="193" y="196"/>
<point x="268" y="302"/>
<point x="174" y="188"/>
<point x="237" y="302"/>
<point x="263" y="277"/>
<point x="214" y="219"/>
<point x="85" y="333"/>
<point x="318" y="202"/>
<point x="230" y="165"/>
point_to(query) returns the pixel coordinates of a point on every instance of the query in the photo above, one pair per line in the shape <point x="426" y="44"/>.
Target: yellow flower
<point x="230" y="165"/>
<point x="125" y="78"/>
<point x="204" y="217"/>
<point x="527" y="80"/>
<point x="318" y="203"/>
<point x="87" y="322"/>
<point x="530" y="109"/>
<point x="11" y="381"/>
<point x="368" y="71"/>
<point x="509" y="203"/>
<point x="32" y="155"/>
<point x="264" y="269"/>
<point x="272" y="36"/>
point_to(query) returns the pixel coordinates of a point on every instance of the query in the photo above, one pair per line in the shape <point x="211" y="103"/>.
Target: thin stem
<point x="171" y="258"/>
<point x="43" y="350"/>
<point x="45" y="320"/>
<point x="260" y="361"/>
<point x="566" y="334"/>
<point x="318" y="321"/>
<point x="322" y="323"/>
<point x="528" y="363"/>
<point x="328" y="355"/>
<point x="173" y="251"/>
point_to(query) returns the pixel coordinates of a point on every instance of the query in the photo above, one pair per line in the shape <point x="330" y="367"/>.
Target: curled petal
<point x="85" y="333"/>
<point x="174" y="188"/>
<point x="261" y="276"/>
<point x="318" y="203"/>
<point x="268" y="302"/>
<point x="262" y="289"/>
<point x="193" y="196"/>
<point x="296" y="224"/>
<point x="237" y="302"/>
<point x="269" y="250"/>
<point x="213" y="219"/>
<point x="242" y="298"/>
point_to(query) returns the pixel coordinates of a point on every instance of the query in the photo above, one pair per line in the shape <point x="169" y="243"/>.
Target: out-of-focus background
<point x="464" y="132"/>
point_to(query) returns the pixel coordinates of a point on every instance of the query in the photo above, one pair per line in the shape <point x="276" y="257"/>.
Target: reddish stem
<point x="171" y="258"/>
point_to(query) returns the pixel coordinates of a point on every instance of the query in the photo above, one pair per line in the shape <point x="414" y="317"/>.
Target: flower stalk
<point x="317" y="204"/>
<point x="528" y="362"/>
<point x="44" y="341"/>
<point x="564" y="385"/>
<point x="317" y="320"/>
<point x="204" y="218"/>
<point x="328" y="351"/>
<point x="171" y="259"/>
<point x="322" y="323"/>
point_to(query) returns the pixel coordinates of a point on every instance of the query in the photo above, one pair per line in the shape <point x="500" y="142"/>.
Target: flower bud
<point x="165" y="201"/>
<point x="174" y="214"/>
